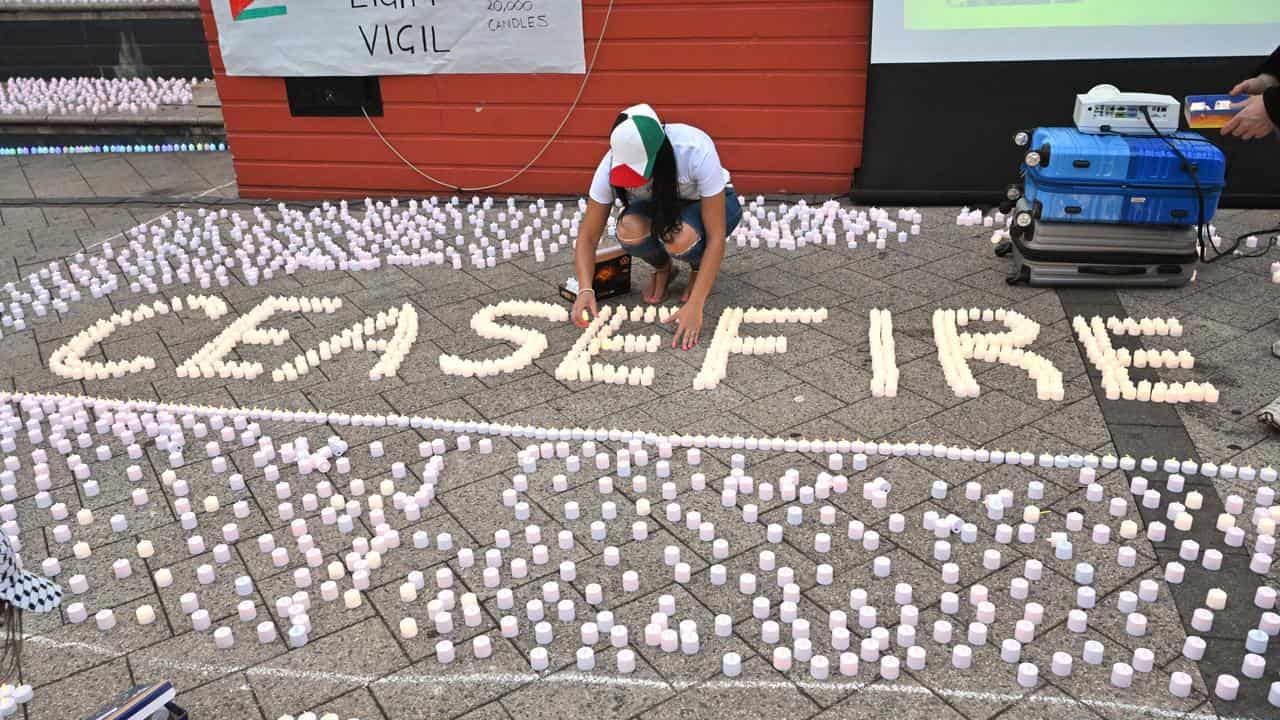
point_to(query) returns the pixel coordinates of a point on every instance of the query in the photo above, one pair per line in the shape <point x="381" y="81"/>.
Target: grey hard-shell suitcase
<point x="1101" y="254"/>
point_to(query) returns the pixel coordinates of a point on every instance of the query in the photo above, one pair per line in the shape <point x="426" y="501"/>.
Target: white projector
<point x="1105" y="109"/>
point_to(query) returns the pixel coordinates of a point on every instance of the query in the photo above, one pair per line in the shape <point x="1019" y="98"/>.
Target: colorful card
<point x="1211" y="111"/>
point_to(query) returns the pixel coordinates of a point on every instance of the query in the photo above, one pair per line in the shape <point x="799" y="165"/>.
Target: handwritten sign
<point x="300" y="38"/>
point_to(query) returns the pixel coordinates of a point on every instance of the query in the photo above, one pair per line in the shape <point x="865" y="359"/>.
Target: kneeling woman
<point x="677" y="204"/>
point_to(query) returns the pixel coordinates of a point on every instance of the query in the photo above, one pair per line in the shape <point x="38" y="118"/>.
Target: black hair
<point x="10" y="642"/>
<point x="666" y="205"/>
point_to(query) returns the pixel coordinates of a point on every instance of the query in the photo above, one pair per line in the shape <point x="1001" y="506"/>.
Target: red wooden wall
<point x="780" y="86"/>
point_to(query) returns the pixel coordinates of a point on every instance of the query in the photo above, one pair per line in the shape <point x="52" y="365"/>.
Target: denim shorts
<point x="654" y="251"/>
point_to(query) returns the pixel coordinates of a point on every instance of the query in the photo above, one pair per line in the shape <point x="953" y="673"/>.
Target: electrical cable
<point x="537" y="156"/>
<point x="1233" y="250"/>
<point x="1191" y="170"/>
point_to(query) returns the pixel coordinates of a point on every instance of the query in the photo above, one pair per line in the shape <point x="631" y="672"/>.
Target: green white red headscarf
<point x="635" y="142"/>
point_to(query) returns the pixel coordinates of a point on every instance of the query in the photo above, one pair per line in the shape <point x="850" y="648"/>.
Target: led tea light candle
<point x="105" y="619"/>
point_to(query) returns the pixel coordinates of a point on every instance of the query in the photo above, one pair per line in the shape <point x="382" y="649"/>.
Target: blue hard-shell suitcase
<point x="1072" y="176"/>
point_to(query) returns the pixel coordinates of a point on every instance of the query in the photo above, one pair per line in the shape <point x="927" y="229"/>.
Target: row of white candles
<point x="530" y="344"/>
<point x="1226" y="471"/>
<point x="210" y="360"/>
<point x="801" y="225"/>
<point x="92" y="96"/>
<point x="1134" y="327"/>
<point x="955" y="349"/>
<point x="35" y="402"/>
<point x="973" y="218"/>
<point x="599" y="337"/>
<point x="884" y="363"/>
<point x="68" y="360"/>
<point x="360" y="336"/>
<point x="1007" y="348"/>
<point x="578" y="364"/>
<point x="726" y="341"/>
<point x="1114" y="365"/>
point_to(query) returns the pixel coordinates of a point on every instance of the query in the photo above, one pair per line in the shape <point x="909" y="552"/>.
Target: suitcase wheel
<point x="1022" y="225"/>
<point x="1036" y="158"/>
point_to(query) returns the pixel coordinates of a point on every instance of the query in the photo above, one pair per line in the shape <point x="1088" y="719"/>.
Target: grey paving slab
<point x="355" y="704"/>
<point x="231" y="696"/>
<point x="718" y="700"/>
<point x="875" y="418"/>
<point x="346" y="660"/>
<point x="645" y="690"/>
<point x="83" y="693"/>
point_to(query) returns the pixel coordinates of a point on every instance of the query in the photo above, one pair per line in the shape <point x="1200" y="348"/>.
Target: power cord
<point x="545" y="146"/>
<point x="1191" y="170"/>
<point x="1233" y="250"/>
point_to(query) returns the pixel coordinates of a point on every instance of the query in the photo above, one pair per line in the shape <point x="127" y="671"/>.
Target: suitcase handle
<point x="1073" y="209"/>
<point x="1113" y="270"/>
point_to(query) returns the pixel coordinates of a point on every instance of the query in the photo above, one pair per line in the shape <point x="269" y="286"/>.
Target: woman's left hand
<point x="688" y="320"/>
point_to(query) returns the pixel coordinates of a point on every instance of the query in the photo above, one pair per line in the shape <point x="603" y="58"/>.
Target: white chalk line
<point x="586" y="679"/>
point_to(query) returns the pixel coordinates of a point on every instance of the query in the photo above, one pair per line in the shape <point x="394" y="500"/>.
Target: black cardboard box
<point x="612" y="278"/>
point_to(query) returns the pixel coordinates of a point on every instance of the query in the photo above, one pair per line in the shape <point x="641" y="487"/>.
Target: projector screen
<point x="925" y="31"/>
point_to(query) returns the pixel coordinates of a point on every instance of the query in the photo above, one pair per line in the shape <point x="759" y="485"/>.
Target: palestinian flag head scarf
<point x="635" y="142"/>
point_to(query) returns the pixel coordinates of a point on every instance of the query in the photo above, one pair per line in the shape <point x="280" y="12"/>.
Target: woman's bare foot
<point x="656" y="292"/>
<point x="688" y="288"/>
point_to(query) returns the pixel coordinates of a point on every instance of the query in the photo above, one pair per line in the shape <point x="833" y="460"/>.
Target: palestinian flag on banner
<point x="254" y="9"/>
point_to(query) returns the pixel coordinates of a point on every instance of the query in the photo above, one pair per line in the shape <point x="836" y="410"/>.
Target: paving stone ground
<point x="357" y="665"/>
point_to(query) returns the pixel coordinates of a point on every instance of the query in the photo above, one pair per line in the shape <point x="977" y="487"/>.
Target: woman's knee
<point x="682" y="241"/>
<point x="633" y="229"/>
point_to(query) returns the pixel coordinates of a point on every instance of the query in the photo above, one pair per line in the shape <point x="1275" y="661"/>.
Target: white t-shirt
<point x="698" y="169"/>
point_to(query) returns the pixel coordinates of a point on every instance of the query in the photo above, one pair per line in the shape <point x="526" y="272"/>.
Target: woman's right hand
<point x="584" y="309"/>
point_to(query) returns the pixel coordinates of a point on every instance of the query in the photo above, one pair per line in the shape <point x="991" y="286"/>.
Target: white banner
<point x="299" y="38"/>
